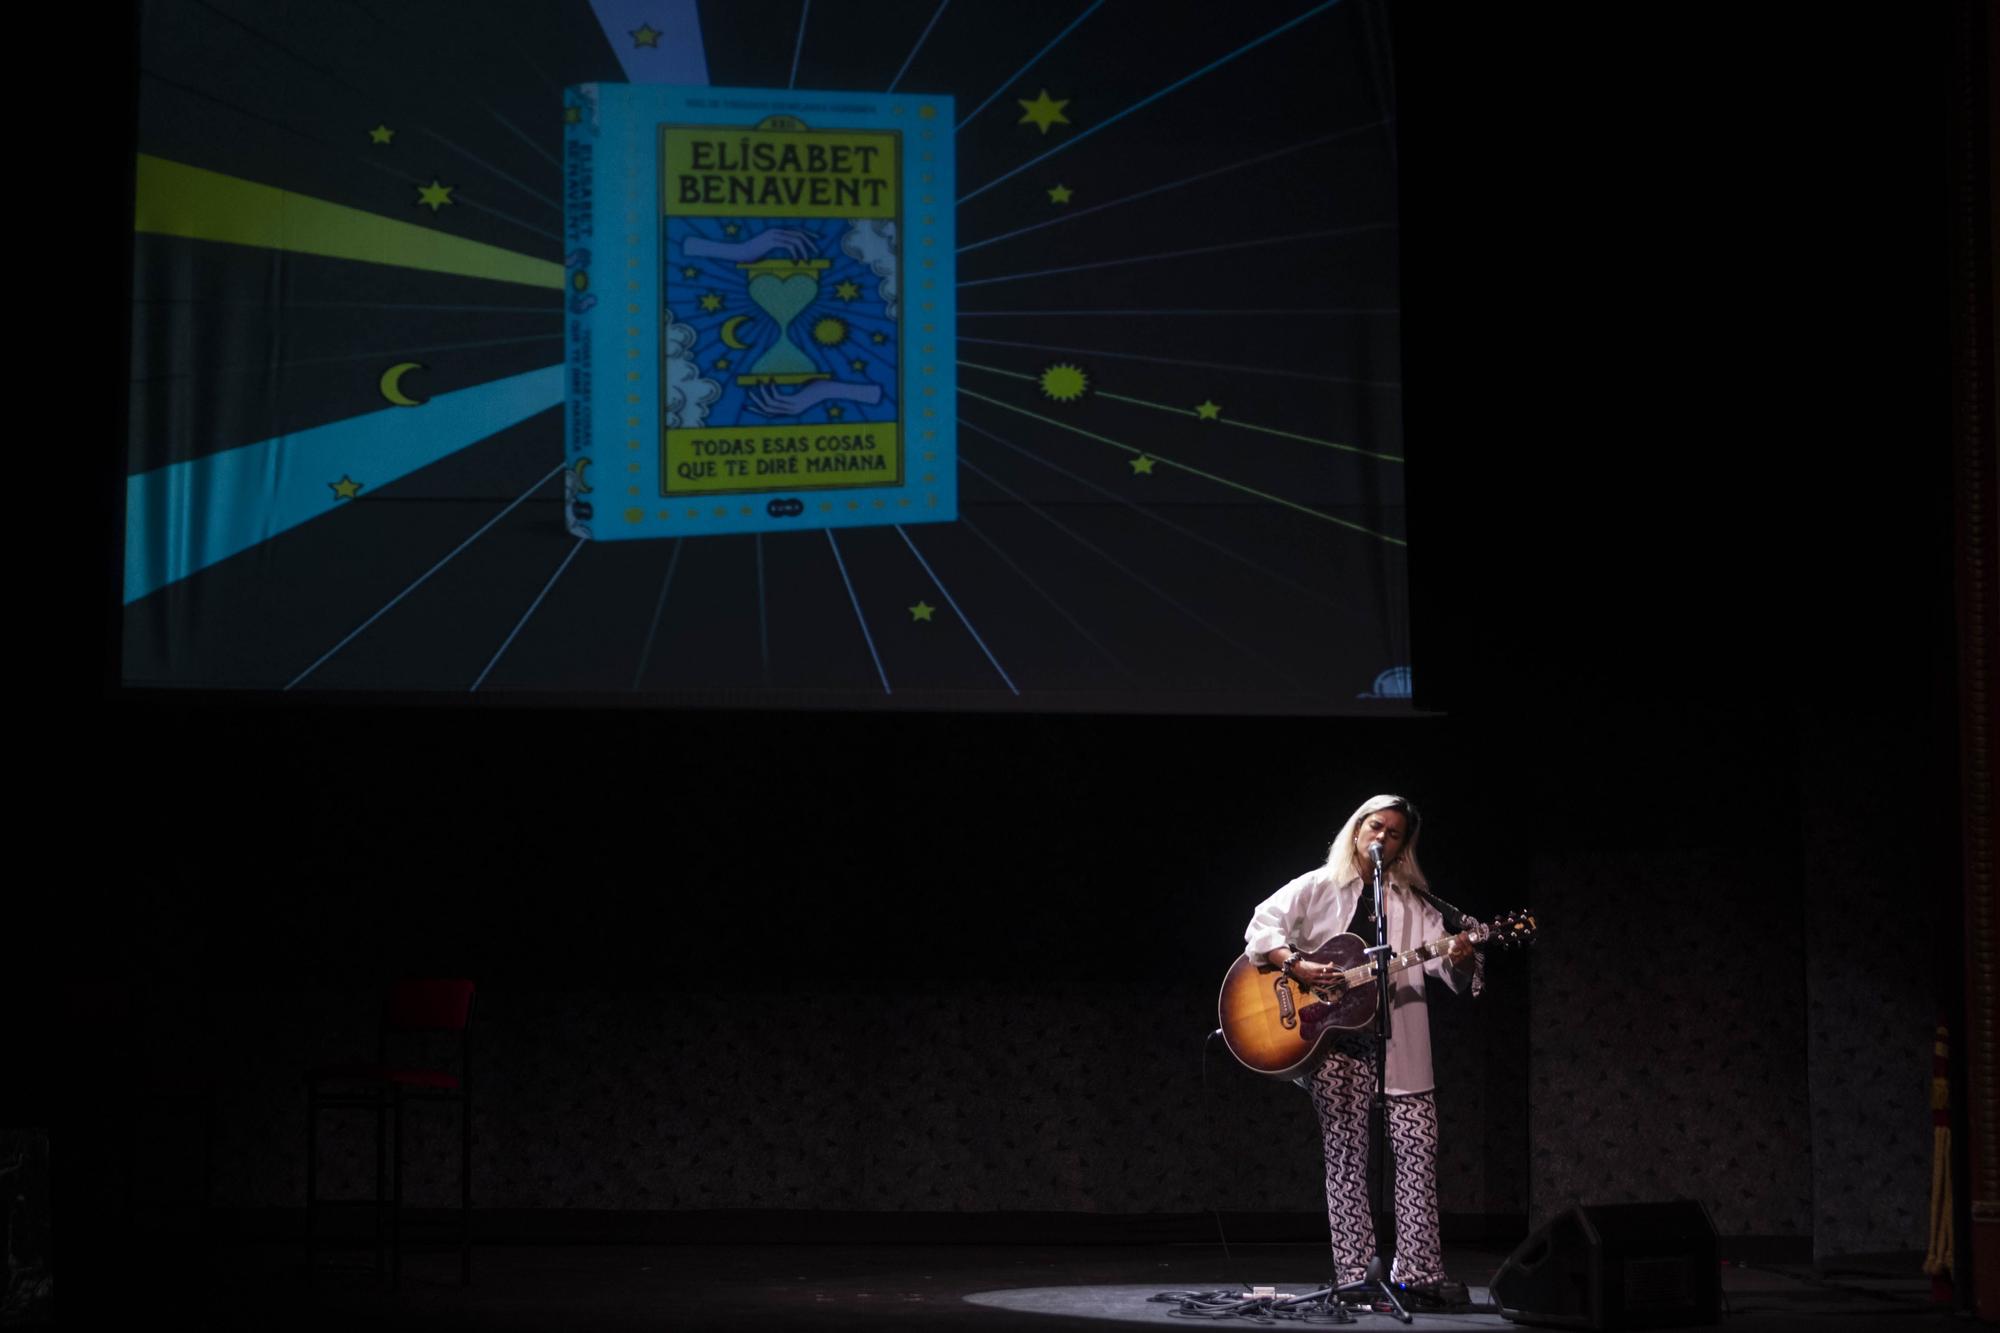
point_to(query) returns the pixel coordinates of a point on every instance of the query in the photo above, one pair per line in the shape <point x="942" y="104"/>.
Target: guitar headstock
<point x="1511" y="928"/>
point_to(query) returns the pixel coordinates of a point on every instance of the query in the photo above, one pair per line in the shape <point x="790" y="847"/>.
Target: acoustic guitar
<point x="1275" y="1026"/>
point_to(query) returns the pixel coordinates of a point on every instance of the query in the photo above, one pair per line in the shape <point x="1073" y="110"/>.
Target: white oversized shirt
<point x="1312" y="909"/>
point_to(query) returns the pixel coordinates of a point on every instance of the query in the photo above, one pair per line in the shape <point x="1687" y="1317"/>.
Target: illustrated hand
<point x="767" y="400"/>
<point x="795" y="243"/>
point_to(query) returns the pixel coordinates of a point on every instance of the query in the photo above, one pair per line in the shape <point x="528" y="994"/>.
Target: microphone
<point x="1375" y="851"/>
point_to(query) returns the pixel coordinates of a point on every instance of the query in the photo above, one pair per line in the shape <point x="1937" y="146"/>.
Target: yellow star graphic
<point x="722" y="363"/>
<point x="834" y="414"/>
<point x="645" y="35"/>
<point x="710" y="302"/>
<point x="1043" y="112"/>
<point x="731" y="229"/>
<point x="1142" y="464"/>
<point x="346" y="488"/>
<point x="1059" y="195"/>
<point x="1208" y="411"/>
<point x="926" y="112"/>
<point x="858" y="364"/>
<point x="381" y="134"/>
<point x="879" y="337"/>
<point x="572" y="115"/>
<point x="434" y="194"/>
<point x="847" y="291"/>
<point x="690" y="272"/>
<point x="922" y="611"/>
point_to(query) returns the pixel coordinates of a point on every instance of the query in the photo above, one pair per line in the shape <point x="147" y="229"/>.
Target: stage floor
<point x="1007" y="1289"/>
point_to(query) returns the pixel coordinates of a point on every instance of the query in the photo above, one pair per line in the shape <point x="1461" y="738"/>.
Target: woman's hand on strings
<point x="1317" y="976"/>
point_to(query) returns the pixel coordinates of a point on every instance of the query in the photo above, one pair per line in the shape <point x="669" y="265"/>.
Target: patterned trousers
<point x="1341" y="1087"/>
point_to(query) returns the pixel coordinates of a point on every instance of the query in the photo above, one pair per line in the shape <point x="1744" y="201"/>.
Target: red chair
<point x="386" y="1087"/>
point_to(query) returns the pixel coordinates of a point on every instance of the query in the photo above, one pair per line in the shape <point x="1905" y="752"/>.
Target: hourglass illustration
<point x="782" y="288"/>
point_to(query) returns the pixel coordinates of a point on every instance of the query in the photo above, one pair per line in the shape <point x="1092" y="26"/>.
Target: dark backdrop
<point x="1675" y="303"/>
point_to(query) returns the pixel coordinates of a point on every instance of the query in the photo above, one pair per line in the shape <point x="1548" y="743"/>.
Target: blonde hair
<point x="1345" y="864"/>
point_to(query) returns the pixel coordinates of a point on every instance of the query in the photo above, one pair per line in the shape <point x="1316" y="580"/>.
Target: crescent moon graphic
<point x="582" y="486"/>
<point x="729" y="331"/>
<point x="392" y="384"/>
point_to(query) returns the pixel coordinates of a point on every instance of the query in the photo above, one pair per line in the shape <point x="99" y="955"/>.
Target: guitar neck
<point x="1423" y="953"/>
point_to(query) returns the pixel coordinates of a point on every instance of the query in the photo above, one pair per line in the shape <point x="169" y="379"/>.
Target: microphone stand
<point x="1376" y="1284"/>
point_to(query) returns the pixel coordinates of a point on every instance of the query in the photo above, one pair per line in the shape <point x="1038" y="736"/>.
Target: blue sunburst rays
<point x="844" y="332"/>
<point x="656" y="41"/>
<point x="184" y="517"/>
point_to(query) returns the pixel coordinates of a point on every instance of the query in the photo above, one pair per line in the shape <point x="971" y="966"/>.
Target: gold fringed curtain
<point x="1938" y="1258"/>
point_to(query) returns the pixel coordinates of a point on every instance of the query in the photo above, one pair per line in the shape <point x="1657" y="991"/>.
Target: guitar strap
<point x="1454" y="920"/>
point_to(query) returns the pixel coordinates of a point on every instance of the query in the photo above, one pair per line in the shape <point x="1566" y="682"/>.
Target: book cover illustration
<point x="773" y="350"/>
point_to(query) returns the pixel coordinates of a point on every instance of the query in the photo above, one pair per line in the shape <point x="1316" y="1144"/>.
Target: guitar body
<point x="1275" y="1026"/>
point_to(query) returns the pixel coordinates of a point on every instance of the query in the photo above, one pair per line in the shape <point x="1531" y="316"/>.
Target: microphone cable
<point x="1208" y="1124"/>
<point x="1246" y="1302"/>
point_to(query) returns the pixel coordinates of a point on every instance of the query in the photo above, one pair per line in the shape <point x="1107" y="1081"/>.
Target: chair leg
<point x="127" y="1131"/>
<point x="465" y="1192"/>
<point x="204" y="1219"/>
<point x="396" y="1207"/>
<point x="312" y="1182"/>
<point x="381" y="1182"/>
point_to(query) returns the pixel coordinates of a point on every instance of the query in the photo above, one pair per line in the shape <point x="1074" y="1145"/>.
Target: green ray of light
<point x="1190" y="412"/>
<point x="1010" y="374"/>
<point x="1192" y="471"/>
<point x="175" y="199"/>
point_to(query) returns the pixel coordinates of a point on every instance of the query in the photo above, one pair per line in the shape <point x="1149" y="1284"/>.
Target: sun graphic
<point x="1064" y="383"/>
<point x="830" y="332"/>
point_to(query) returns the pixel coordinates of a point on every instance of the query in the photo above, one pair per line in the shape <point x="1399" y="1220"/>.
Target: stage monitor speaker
<point x="1615" y="1266"/>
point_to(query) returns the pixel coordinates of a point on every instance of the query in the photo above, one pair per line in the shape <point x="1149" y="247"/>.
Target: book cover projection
<point x="760" y="310"/>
